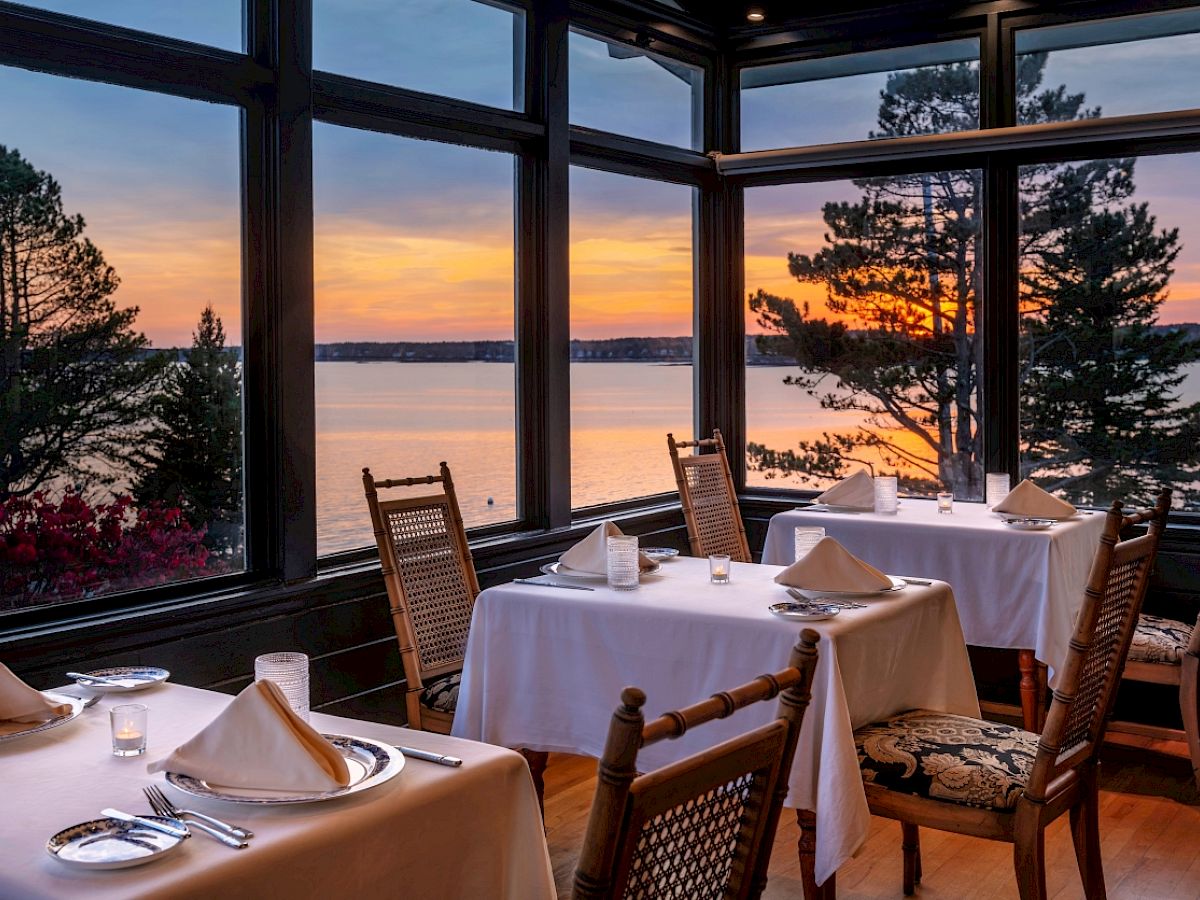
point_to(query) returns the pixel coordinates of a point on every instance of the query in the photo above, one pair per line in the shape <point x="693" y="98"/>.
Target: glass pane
<point x="927" y="89"/>
<point x="1130" y="65"/>
<point x="631" y="333"/>
<point x="862" y="311"/>
<point x="414" y="324"/>
<point x="1110" y="329"/>
<point x="120" y="340"/>
<point x="456" y="48"/>
<point x="217" y="23"/>
<point x="626" y="90"/>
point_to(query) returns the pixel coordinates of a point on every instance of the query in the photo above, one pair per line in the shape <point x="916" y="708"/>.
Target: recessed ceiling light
<point x="754" y="14"/>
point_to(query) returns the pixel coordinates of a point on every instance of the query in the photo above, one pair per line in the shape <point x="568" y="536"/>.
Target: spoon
<point x="98" y="679"/>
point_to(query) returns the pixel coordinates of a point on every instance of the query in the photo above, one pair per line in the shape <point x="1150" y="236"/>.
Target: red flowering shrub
<point x="60" y="551"/>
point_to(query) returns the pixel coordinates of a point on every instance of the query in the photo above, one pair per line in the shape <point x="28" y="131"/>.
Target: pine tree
<point x="192" y="455"/>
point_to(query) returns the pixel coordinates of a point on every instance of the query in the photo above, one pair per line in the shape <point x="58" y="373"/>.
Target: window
<point x="627" y="90"/>
<point x="457" y="48"/>
<point x="631" y="333"/>
<point x="862" y="316"/>
<point x="1130" y="65"/>
<point x="120" y="329"/>
<point x="1110" y="329"/>
<point x="214" y="22"/>
<point x="414" y="324"/>
<point x="926" y="89"/>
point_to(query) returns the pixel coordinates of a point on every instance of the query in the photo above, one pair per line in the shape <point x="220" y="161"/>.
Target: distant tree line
<point x="625" y="349"/>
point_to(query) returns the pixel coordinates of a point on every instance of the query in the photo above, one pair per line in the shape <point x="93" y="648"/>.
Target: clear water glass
<point x="887" y="499"/>
<point x="128" y="722"/>
<point x="996" y="487"/>
<point x="718" y="568"/>
<point x="807" y="537"/>
<point x="622" y="562"/>
<point x="945" y="502"/>
<point x="289" y="671"/>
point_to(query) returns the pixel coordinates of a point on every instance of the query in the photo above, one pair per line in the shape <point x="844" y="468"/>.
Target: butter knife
<point x="553" y="584"/>
<point x="146" y="823"/>
<point x="440" y="758"/>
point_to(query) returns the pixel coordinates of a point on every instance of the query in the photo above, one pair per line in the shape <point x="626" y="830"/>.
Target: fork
<point x="840" y="604"/>
<point x="222" y="831"/>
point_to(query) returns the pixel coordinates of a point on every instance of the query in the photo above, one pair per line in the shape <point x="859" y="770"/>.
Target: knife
<point x="440" y="758"/>
<point x="147" y="823"/>
<point x="555" y="584"/>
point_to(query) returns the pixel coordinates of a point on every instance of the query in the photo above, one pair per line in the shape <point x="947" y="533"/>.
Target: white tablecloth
<point x="1015" y="589"/>
<point x="545" y="668"/>
<point x="432" y="831"/>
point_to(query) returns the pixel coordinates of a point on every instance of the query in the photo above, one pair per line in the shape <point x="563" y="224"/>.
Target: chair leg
<point x="1027" y="664"/>
<point x="1029" y="858"/>
<point x="537" y="760"/>
<point x="1189" y="706"/>
<point x="910" y="843"/>
<point x="1085" y="831"/>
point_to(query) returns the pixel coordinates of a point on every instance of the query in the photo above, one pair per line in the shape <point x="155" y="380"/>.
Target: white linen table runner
<point x="544" y="670"/>
<point x="432" y="831"/>
<point x="1015" y="589"/>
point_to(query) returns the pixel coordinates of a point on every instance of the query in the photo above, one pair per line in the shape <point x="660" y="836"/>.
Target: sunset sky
<point x="414" y="240"/>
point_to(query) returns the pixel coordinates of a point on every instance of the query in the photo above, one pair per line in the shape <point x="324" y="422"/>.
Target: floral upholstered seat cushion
<point x="947" y="757"/>
<point x="441" y="694"/>
<point x="1158" y="640"/>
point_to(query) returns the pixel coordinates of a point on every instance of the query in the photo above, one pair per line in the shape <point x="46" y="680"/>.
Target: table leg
<point x="1030" y="698"/>
<point x="807" y="845"/>
<point x="537" y="760"/>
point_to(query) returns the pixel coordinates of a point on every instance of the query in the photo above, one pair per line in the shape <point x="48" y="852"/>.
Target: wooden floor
<point x="1149" y="827"/>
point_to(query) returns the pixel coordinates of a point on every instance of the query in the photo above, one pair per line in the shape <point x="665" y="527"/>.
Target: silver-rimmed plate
<point x="39" y="727"/>
<point x="660" y="554"/>
<point x="1029" y="523"/>
<point x="1007" y="515"/>
<point x="129" y="678"/>
<point x="897" y="585"/>
<point x="112" y="844"/>
<point x="557" y="568"/>
<point x="371" y="763"/>
<point x="803" y="612"/>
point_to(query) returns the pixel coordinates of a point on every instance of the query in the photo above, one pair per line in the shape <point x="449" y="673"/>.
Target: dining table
<point x="431" y="831"/>
<point x="1016" y="588"/>
<point x="545" y="666"/>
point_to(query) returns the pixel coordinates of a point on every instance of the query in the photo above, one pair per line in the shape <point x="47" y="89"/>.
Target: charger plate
<point x="660" y="554"/>
<point x="897" y="585"/>
<point x="371" y="763"/>
<point x="77" y="706"/>
<point x="802" y="612"/>
<point x="132" y="678"/>
<point x="112" y="844"/>
<point x="557" y="568"/>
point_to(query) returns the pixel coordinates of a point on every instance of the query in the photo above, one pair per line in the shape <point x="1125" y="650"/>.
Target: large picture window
<point x="120" y="340"/>
<point x="214" y="22"/>
<point x="414" y="324"/>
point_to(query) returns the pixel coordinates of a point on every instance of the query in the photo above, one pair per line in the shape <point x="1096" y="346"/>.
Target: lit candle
<point x="128" y="729"/>
<point x="718" y="568"/>
<point x="945" y="502"/>
<point x="127" y="739"/>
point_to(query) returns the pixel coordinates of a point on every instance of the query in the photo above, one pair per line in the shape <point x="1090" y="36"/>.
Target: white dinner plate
<point x="897" y="585"/>
<point x="39" y="727"/>
<point x="557" y="568"/>
<point x="112" y="844"/>
<point x="131" y="678"/>
<point x="660" y="554"/>
<point x="1008" y="515"/>
<point x="371" y="763"/>
<point x="802" y="612"/>
<point x="1029" y="523"/>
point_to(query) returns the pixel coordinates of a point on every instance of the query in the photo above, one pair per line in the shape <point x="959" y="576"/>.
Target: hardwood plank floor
<point x="1149" y="828"/>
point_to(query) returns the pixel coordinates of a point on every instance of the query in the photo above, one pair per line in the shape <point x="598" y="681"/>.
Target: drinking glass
<point x="622" y="562"/>
<point x="289" y="671"/>
<point x="945" y="501"/>
<point x="718" y="568"/>
<point x="807" y="537"/>
<point x="886" y="491"/>
<point x="996" y="487"/>
<point x="128" y="723"/>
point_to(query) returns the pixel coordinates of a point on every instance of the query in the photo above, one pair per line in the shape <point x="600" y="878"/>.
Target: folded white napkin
<point x="831" y="567"/>
<point x="259" y="742"/>
<point x="21" y="706"/>
<point x="858" y="491"/>
<point x="1027" y="499"/>
<point x="591" y="554"/>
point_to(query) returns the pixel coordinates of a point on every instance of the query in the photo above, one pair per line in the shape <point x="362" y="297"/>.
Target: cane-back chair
<point x="710" y="505"/>
<point x="703" y="827"/>
<point x="431" y="588"/>
<point x="995" y="781"/>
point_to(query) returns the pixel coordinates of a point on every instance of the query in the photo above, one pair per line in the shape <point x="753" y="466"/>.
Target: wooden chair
<point x="431" y="587"/>
<point x="702" y="827"/>
<point x="710" y="505"/>
<point x="995" y="781"/>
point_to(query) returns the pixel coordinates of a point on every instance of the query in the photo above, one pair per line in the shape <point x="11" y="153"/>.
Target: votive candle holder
<point x="128" y="722"/>
<point x="718" y="568"/>
<point x="945" y="503"/>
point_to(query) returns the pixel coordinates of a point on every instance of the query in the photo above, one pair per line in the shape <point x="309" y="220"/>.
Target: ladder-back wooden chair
<point x="703" y="827"/>
<point x="710" y="506"/>
<point x="431" y="587"/>
<point x="996" y="781"/>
